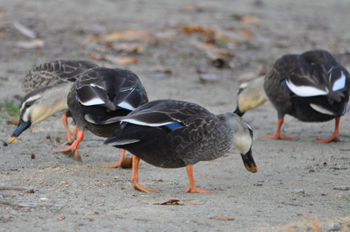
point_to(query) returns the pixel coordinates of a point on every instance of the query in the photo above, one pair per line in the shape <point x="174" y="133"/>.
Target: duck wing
<point x="191" y="129"/>
<point x="315" y="73"/>
<point x="159" y="113"/>
<point x="111" y="88"/>
<point x="55" y="72"/>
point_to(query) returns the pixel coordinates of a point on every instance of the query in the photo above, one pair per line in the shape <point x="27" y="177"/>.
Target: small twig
<point x="17" y="189"/>
<point x="22" y="204"/>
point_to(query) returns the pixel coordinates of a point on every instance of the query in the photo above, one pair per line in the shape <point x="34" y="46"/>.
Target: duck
<point x="312" y="87"/>
<point x="251" y="94"/>
<point x="169" y="133"/>
<point x="104" y="93"/>
<point x="99" y="91"/>
<point x="53" y="73"/>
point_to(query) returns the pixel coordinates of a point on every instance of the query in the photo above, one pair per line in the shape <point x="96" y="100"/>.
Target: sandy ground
<point x="296" y="179"/>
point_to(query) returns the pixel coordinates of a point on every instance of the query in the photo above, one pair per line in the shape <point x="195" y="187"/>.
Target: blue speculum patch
<point x="173" y="126"/>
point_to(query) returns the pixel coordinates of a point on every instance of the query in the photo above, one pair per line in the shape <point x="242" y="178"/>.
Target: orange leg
<point x="70" y="136"/>
<point x="114" y="165"/>
<point x="74" y="132"/>
<point x="192" y="188"/>
<point x="72" y="150"/>
<point x="277" y="134"/>
<point x="135" y="176"/>
<point x="335" y="136"/>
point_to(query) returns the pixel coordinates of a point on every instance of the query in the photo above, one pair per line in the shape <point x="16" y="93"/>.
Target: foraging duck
<point x="312" y="87"/>
<point x="250" y="95"/>
<point x="53" y="73"/>
<point x="103" y="93"/>
<point x="106" y="92"/>
<point x="174" y="134"/>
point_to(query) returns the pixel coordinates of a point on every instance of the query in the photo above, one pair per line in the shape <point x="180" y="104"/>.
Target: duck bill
<point x="249" y="162"/>
<point x="238" y="112"/>
<point x="21" y="126"/>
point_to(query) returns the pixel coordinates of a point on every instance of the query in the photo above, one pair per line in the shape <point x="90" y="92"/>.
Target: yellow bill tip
<point x="252" y="169"/>
<point x="11" y="139"/>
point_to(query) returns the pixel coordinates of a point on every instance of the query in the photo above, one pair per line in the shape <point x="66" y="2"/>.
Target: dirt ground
<point x="297" y="179"/>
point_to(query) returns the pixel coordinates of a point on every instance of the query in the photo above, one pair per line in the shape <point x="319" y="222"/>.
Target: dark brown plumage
<point x="313" y="87"/>
<point x="173" y="134"/>
<point x="103" y="93"/>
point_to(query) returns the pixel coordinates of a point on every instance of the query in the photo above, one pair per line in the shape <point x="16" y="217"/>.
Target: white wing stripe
<point x="97" y="86"/>
<point x="340" y="83"/>
<point x="320" y="109"/>
<point x="136" y="122"/>
<point x="305" y="91"/>
<point x="92" y="102"/>
<point x="127" y="106"/>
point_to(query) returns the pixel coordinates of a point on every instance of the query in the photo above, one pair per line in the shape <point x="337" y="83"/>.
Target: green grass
<point x="10" y="109"/>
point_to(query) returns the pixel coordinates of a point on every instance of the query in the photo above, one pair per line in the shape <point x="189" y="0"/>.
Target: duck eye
<point x="28" y="104"/>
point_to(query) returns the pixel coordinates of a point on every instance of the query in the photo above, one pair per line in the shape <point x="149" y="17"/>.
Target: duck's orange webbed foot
<point x="139" y="187"/>
<point x="331" y="139"/>
<point x="335" y="136"/>
<point x="192" y="188"/>
<point x="71" y="152"/>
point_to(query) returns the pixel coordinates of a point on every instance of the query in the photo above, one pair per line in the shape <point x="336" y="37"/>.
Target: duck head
<point x="243" y="141"/>
<point x="250" y="95"/>
<point x="40" y="104"/>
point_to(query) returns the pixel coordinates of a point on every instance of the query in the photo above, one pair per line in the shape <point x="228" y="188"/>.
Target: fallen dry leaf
<point x="193" y="28"/>
<point x="12" y="121"/>
<point x="37" y="43"/>
<point x="223" y="218"/>
<point x="228" y="36"/>
<point x="246" y="34"/>
<point x="126" y="35"/>
<point x="169" y="202"/>
<point x="126" y="60"/>
<point x="97" y="57"/>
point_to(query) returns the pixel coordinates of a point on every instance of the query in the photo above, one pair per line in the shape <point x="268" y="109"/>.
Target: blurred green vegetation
<point x="9" y="109"/>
